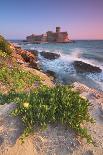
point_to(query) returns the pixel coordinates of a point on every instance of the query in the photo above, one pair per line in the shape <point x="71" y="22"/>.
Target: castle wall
<point x="62" y="37"/>
<point x="49" y="37"/>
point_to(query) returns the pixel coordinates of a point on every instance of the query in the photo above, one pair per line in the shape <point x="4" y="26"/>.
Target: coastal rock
<point x="34" y="64"/>
<point x="49" y="55"/>
<point x="51" y="73"/>
<point x="29" y="57"/>
<point x="82" y="67"/>
<point x="34" y="52"/>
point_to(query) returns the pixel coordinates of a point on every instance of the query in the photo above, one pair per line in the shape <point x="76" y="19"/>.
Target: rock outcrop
<point x="49" y="55"/>
<point x="82" y="67"/>
<point x="25" y="56"/>
<point x="34" y="52"/>
<point x="51" y="73"/>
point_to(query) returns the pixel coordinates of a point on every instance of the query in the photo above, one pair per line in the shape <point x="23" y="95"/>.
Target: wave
<point x="64" y="69"/>
<point x="77" y="55"/>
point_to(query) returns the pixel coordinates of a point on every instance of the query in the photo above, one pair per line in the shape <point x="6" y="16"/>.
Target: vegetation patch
<point x="17" y="79"/>
<point x="3" y="54"/>
<point x="51" y="105"/>
<point x="4" y="46"/>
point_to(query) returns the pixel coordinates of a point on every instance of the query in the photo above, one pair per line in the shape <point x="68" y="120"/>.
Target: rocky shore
<point x="56" y="140"/>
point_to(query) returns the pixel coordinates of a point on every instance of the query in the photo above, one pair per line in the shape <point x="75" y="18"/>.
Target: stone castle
<point x="52" y="37"/>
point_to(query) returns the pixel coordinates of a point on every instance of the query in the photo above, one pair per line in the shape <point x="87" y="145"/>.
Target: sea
<point x="88" y="51"/>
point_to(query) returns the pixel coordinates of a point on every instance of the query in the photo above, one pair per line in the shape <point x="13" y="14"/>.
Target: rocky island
<point x="50" y="37"/>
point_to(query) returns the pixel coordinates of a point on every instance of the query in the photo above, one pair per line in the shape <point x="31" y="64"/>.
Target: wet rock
<point x="50" y="56"/>
<point x="34" y="52"/>
<point x="82" y="67"/>
<point x="51" y="73"/>
<point x="34" y="64"/>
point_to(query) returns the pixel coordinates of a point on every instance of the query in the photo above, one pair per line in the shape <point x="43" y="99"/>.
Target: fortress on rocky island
<point x="52" y="37"/>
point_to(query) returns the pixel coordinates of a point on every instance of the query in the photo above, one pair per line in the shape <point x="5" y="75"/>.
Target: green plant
<point x="4" y="46"/>
<point x="16" y="78"/>
<point x="3" y="54"/>
<point x="51" y="105"/>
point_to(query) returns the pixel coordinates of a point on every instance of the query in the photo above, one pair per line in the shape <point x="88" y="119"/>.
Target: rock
<point x="28" y="57"/>
<point x="11" y="127"/>
<point x="34" y="64"/>
<point x="82" y="67"/>
<point x="25" y="57"/>
<point x="10" y="131"/>
<point x="34" y="52"/>
<point x="50" y="56"/>
<point x="51" y="73"/>
<point x="18" y="47"/>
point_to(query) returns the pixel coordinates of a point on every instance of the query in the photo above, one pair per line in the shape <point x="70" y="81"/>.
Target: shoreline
<point x="68" y="55"/>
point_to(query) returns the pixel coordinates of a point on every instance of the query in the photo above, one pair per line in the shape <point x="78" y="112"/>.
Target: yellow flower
<point x="26" y="104"/>
<point x="83" y="97"/>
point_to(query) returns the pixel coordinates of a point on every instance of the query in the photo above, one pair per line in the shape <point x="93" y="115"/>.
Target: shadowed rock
<point x="34" y="52"/>
<point x="51" y="73"/>
<point x="49" y="55"/>
<point x="82" y="67"/>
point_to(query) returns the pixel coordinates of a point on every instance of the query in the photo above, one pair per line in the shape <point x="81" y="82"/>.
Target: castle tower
<point x="58" y="29"/>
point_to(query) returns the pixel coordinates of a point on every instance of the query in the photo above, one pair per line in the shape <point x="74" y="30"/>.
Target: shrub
<point x="4" y="46"/>
<point x="51" y="105"/>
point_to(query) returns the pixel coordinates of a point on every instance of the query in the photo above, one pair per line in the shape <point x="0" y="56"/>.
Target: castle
<point x="52" y="37"/>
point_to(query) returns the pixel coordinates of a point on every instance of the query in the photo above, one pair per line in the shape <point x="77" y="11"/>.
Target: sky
<point x="82" y="19"/>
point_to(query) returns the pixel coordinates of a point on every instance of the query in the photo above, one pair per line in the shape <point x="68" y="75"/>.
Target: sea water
<point x="89" y="51"/>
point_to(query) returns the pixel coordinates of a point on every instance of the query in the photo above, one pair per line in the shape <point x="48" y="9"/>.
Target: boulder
<point x="82" y="67"/>
<point x="49" y="55"/>
<point x="51" y="73"/>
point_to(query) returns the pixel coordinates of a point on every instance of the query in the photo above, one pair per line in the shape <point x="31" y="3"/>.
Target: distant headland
<point x="49" y="37"/>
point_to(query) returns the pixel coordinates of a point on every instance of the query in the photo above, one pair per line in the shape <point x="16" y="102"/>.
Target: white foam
<point x="63" y="66"/>
<point x="97" y="78"/>
<point x="76" y="55"/>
